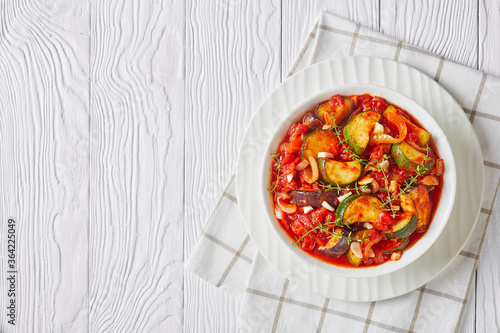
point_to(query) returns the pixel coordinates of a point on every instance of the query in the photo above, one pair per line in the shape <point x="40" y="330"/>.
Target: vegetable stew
<point x="356" y="181"/>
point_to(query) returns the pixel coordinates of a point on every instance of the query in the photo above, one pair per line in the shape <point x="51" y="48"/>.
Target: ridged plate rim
<point x="423" y="90"/>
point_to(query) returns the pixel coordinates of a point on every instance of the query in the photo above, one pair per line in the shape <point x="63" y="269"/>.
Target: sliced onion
<point x="365" y="180"/>
<point x="399" y="122"/>
<point x="282" y="195"/>
<point x="378" y="129"/>
<point x="302" y="165"/>
<point x="376" y="139"/>
<point x="439" y="167"/>
<point x="314" y="169"/>
<point x="326" y="127"/>
<point x="356" y="250"/>
<point x="368" y="169"/>
<point x="289" y="177"/>
<point x="371" y="254"/>
<point x="279" y="213"/>
<point x="365" y="189"/>
<point x="286" y="207"/>
<point x="325" y="154"/>
<point x="307" y="175"/>
<point x="384" y="164"/>
<point x="367" y="225"/>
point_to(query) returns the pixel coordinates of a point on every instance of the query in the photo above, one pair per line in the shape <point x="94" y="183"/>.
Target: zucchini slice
<point x="339" y="173"/>
<point x="337" y="245"/>
<point x="316" y="142"/>
<point x="339" y="213"/>
<point x="423" y="205"/>
<point x="404" y="226"/>
<point x="359" y="208"/>
<point x="328" y="114"/>
<point x="358" y="129"/>
<point x="392" y="245"/>
<point x="422" y="135"/>
<point x="407" y="204"/>
<point x="408" y="158"/>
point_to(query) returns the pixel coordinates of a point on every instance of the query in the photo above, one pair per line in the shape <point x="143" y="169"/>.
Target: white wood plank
<point x="448" y="28"/>
<point x="299" y="18"/>
<point x="44" y="56"/>
<point x="233" y="60"/>
<point x="468" y="323"/>
<point x="489" y="38"/>
<point x="136" y="179"/>
<point x="488" y="277"/>
<point x="488" y="291"/>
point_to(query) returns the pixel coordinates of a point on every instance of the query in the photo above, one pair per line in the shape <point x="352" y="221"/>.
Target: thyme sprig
<point x="420" y="170"/>
<point x="330" y="187"/>
<point x="325" y="227"/>
<point x="274" y="185"/>
<point x="336" y="130"/>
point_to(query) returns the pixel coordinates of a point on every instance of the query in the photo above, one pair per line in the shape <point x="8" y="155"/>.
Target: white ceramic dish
<point x="424" y="91"/>
<point x="447" y="196"/>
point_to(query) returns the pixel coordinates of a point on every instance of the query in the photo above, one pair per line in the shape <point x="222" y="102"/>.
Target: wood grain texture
<point x="233" y="51"/>
<point x="136" y="161"/>
<point x="468" y="323"/>
<point x="298" y="19"/>
<point x="44" y="107"/>
<point x="448" y="28"/>
<point x="488" y="275"/>
<point x="489" y="38"/>
<point x="487" y="283"/>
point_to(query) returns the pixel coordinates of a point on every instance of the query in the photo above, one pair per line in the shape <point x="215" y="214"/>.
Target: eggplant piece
<point x="336" y="246"/>
<point x="312" y="198"/>
<point x="308" y="117"/>
<point x="313" y="121"/>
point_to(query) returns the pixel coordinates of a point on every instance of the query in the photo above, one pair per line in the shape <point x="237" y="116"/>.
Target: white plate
<point x="433" y="98"/>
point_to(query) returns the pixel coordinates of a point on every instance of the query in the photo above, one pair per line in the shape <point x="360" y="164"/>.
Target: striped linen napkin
<point x="226" y="256"/>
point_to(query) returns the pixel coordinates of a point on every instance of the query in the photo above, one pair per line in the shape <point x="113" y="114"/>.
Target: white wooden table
<point x="119" y="127"/>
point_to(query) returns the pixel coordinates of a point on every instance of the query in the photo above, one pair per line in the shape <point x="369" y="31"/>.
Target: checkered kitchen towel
<point x="226" y="256"/>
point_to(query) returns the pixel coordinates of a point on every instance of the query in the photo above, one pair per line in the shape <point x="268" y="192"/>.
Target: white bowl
<point x="447" y="196"/>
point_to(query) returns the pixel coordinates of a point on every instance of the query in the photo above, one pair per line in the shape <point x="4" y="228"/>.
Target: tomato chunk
<point x="336" y="100"/>
<point x="379" y="104"/>
<point x="384" y="222"/>
<point x="319" y="215"/>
